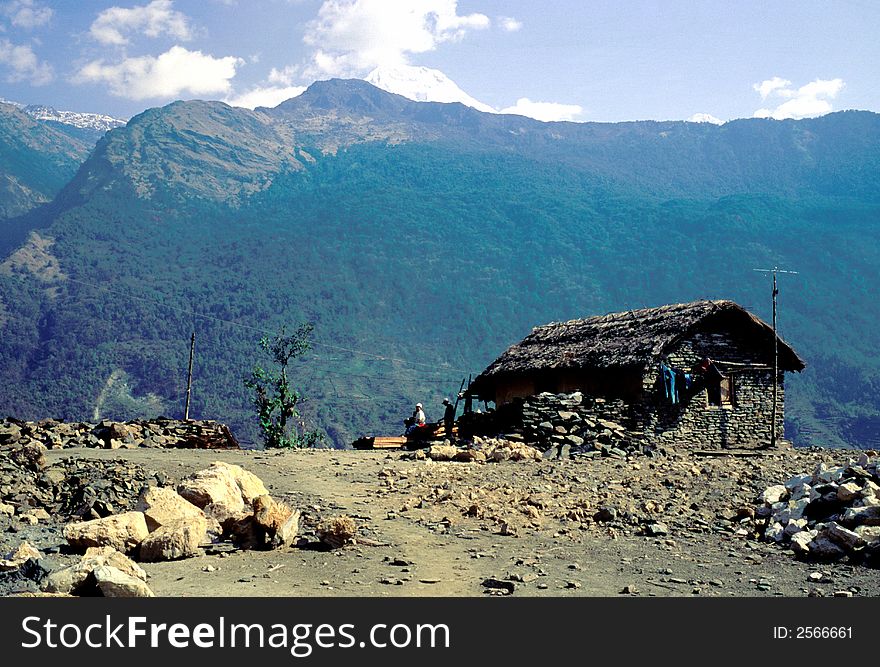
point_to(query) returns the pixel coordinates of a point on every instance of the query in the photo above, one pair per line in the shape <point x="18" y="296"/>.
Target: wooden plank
<point x="379" y="442"/>
<point x="389" y="442"/>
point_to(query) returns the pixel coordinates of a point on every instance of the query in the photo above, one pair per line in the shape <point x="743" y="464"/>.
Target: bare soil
<point x="442" y="529"/>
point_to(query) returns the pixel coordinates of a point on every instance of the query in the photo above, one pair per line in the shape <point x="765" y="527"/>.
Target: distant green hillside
<point x="422" y="239"/>
<point x="37" y="159"/>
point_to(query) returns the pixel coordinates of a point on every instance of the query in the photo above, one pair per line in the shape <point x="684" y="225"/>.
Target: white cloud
<point x="705" y="118"/>
<point x="546" y="111"/>
<point x="27" y="14"/>
<point x="278" y="87"/>
<point x="765" y="88"/>
<point x="174" y="72"/>
<point x="284" y="76"/>
<point x="22" y="64"/>
<point x="812" y="99"/>
<point x="509" y="23"/>
<point x="155" y="19"/>
<point x="353" y="36"/>
<point x="264" y="96"/>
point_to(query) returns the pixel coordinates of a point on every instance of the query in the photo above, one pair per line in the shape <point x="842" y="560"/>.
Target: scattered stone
<point x="338" y="532"/>
<point x="800" y="542"/>
<point x="858" y="516"/>
<point x="162" y="506"/>
<point x="823" y="548"/>
<point x="656" y="529"/>
<point x="16" y="558"/>
<point x="175" y="540"/>
<point x="442" y="452"/>
<point x="250" y="486"/>
<point x="471" y="456"/>
<point x="31" y="455"/>
<point x="114" y="583"/>
<point x="508" y="587"/>
<point x="848" y="492"/>
<point x="74" y="579"/>
<point x="216" y="491"/>
<point x="24" y="579"/>
<point x="605" y="514"/>
<point x="843" y="536"/>
<point x="774" y="494"/>
<point x="279" y="523"/>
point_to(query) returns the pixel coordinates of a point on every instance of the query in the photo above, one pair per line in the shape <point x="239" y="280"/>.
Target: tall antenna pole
<point x="189" y="375"/>
<point x="773" y="412"/>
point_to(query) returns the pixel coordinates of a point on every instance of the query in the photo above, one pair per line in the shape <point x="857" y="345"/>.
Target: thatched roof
<point x="635" y="338"/>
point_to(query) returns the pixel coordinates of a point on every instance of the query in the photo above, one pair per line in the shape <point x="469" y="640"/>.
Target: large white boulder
<point x="72" y="578"/>
<point x="114" y="583"/>
<point x="175" y="540"/>
<point x="123" y="532"/>
<point x="162" y="506"/>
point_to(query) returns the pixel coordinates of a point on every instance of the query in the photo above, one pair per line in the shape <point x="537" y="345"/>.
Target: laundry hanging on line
<point x="675" y="383"/>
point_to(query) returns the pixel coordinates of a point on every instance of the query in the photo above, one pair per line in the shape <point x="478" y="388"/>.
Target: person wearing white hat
<point x="417" y="419"/>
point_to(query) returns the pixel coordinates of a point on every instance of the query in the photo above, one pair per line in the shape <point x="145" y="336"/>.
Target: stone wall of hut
<point x="588" y="422"/>
<point x="743" y="423"/>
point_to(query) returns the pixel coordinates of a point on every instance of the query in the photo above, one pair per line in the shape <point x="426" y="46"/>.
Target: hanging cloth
<point x="668" y="376"/>
<point x="680" y="383"/>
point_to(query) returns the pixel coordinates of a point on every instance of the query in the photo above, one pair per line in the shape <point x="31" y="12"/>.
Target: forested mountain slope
<point x="422" y="239"/>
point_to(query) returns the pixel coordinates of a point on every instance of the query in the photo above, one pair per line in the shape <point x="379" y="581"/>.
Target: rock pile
<point x="578" y="425"/>
<point x="33" y="492"/>
<point x="131" y="517"/>
<point x="223" y="501"/>
<point x="481" y="450"/>
<point x="160" y="432"/>
<point x="22" y="569"/>
<point x="101" y="571"/>
<point x="827" y="515"/>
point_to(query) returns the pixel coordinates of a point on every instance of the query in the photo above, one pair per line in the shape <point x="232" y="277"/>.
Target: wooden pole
<point x="774" y="410"/>
<point x="189" y="375"/>
<point x="775" y="367"/>
<point x="458" y="395"/>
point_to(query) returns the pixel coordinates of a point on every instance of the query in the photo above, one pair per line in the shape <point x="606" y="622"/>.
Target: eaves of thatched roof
<point x="634" y="339"/>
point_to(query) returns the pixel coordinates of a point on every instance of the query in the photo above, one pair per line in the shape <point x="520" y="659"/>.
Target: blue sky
<point x="577" y="60"/>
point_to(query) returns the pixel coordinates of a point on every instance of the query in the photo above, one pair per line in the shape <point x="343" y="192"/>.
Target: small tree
<point x="276" y="401"/>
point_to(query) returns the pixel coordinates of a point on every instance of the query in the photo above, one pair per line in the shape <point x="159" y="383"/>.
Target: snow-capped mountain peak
<point x="422" y="84"/>
<point x="705" y="118"/>
<point x="91" y="121"/>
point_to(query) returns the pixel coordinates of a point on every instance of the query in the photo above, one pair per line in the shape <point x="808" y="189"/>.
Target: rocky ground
<point x="675" y="525"/>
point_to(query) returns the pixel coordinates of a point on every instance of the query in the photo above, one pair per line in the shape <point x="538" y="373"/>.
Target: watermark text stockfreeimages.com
<point x="300" y="639"/>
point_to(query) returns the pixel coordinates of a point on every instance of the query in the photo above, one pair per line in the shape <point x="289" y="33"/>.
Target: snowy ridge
<point x="91" y="121"/>
<point x="422" y="84"/>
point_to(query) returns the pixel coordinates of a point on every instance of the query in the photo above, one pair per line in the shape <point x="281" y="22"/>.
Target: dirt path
<point x="440" y="528"/>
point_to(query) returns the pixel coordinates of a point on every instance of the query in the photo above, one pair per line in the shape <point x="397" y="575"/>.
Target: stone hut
<point x="696" y="374"/>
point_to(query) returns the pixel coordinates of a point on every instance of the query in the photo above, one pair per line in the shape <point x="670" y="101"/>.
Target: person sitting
<point x="416" y="421"/>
